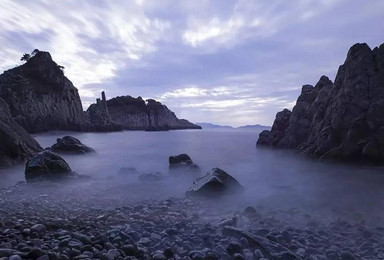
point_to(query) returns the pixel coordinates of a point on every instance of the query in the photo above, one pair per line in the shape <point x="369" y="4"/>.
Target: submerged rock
<point x="70" y="144"/>
<point x="16" y="145"/>
<point x="128" y="171"/>
<point x="182" y="163"/>
<point x="215" y="182"/>
<point x="47" y="166"/>
<point x="342" y="120"/>
<point x="151" y="177"/>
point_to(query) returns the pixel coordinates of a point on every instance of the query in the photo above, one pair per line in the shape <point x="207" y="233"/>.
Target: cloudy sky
<point x="225" y="62"/>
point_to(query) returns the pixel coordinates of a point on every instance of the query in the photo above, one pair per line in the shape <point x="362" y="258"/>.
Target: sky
<point x="224" y="62"/>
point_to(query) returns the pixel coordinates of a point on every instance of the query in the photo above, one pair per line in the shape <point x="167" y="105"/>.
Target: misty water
<point x="273" y="179"/>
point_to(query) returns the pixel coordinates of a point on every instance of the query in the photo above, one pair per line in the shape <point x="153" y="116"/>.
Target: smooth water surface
<point x="278" y="179"/>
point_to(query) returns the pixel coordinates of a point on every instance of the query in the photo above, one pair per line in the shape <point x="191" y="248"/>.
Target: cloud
<point x="92" y="41"/>
<point x="221" y="61"/>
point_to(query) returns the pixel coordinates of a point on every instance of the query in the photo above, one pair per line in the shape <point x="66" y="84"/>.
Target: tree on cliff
<point x="25" y="57"/>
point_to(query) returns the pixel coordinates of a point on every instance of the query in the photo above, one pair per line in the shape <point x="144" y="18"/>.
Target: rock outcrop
<point x="47" y="166"/>
<point x="182" y="163"/>
<point x="215" y="182"/>
<point x="278" y="130"/>
<point x="40" y="97"/>
<point x="16" y="145"/>
<point x="99" y="117"/>
<point x="70" y="144"/>
<point x="137" y="114"/>
<point x="341" y="120"/>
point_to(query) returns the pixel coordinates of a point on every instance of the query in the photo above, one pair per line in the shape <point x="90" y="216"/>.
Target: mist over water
<point x="273" y="179"/>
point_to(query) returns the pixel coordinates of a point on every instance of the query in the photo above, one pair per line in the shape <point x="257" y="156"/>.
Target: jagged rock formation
<point x="16" y="145"/>
<point x="40" y="97"/>
<point x="278" y="130"/>
<point x="99" y="117"/>
<point x="136" y="114"/>
<point x="343" y="120"/>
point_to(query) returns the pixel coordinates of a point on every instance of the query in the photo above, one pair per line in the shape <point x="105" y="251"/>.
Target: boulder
<point x="47" y="165"/>
<point x="70" y="144"/>
<point x="215" y="182"/>
<point x="16" y="145"/>
<point x="182" y="163"/>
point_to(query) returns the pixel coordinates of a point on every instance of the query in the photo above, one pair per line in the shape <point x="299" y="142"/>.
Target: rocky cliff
<point x="40" y="97"/>
<point x="343" y="120"/>
<point x="16" y="145"/>
<point x="137" y="114"/>
<point x="99" y="117"/>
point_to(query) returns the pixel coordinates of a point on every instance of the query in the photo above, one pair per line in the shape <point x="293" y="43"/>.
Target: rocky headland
<point x="137" y="114"/>
<point x="40" y="97"/>
<point x="37" y="97"/>
<point x="341" y="120"/>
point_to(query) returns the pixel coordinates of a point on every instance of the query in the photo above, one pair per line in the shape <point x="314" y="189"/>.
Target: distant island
<point x="214" y="126"/>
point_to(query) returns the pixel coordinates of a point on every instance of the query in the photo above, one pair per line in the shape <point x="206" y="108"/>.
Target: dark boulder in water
<point x="70" y="144"/>
<point x="47" y="165"/>
<point x="182" y="163"/>
<point x="180" y="159"/>
<point x="215" y="182"/>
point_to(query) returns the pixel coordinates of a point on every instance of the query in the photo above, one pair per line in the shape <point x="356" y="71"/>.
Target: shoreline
<point x="85" y="221"/>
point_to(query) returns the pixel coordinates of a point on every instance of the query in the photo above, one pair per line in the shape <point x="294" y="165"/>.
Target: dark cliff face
<point x="40" y="97"/>
<point x="16" y="145"/>
<point x="136" y="114"/>
<point x="344" y="120"/>
<point x="99" y="117"/>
